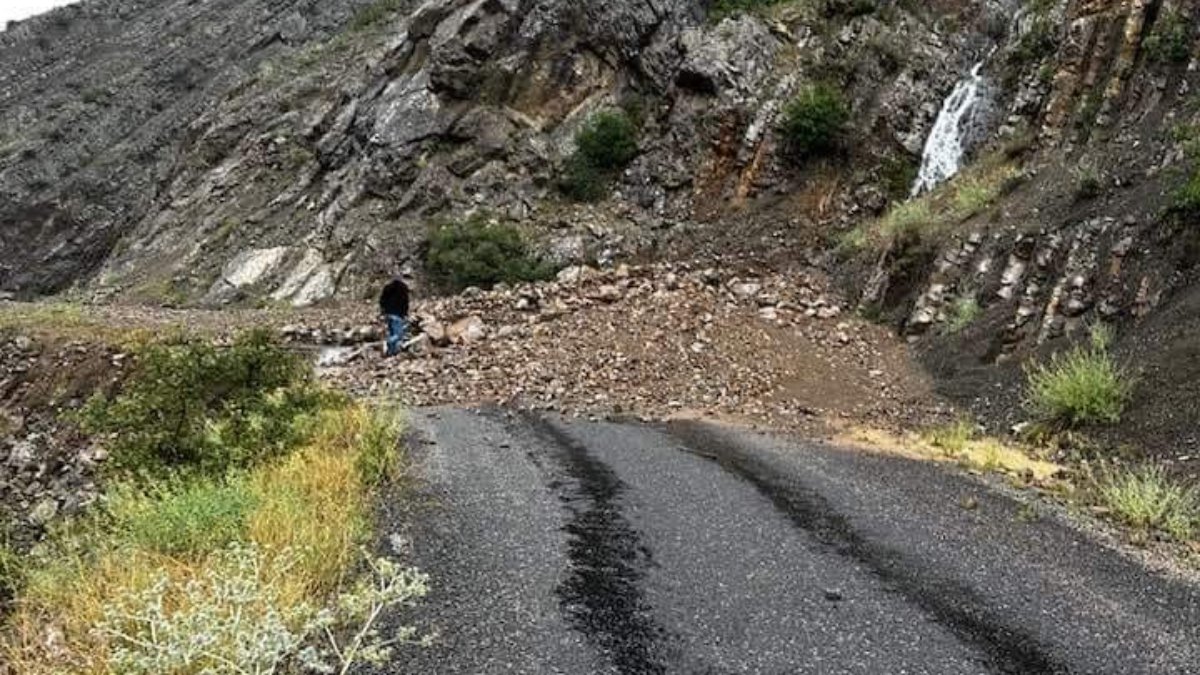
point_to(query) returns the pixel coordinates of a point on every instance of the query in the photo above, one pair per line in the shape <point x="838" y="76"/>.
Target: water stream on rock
<point x="946" y="143"/>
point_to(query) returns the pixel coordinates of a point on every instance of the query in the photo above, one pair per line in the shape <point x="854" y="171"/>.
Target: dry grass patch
<point x="99" y="594"/>
<point x="959" y="443"/>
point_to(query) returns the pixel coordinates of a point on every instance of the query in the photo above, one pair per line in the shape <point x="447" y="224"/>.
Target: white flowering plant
<point x="236" y="618"/>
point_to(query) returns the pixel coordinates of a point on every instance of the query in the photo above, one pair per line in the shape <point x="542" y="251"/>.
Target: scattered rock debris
<point x="654" y="341"/>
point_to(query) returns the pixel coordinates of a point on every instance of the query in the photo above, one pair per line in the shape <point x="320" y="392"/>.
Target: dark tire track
<point x="1010" y="649"/>
<point x="601" y="596"/>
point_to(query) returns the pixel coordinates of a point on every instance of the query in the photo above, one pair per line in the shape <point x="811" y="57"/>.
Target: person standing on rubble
<point x="393" y="309"/>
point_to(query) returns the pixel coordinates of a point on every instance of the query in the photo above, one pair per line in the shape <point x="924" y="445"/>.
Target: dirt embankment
<point x="47" y="468"/>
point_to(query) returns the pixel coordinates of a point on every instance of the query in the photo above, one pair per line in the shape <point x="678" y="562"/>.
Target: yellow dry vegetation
<point x="985" y="454"/>
<point x="309" y="520"/>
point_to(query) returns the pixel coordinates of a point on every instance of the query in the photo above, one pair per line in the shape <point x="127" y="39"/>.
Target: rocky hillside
<point x="101" y="106"/>
<point x="296" y="151"/>
<point x="187" y="152"/>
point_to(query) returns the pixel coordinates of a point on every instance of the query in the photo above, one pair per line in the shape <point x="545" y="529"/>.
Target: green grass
<point x="963" y="312"/>
<point x="934" y="214"/>
<point x="974" y="194"/>
<point x="1147" y="499"/>
<point x="178" y="517"/>
<point x="1083" y="386"/>
<point x="908" y="218"/>
<point x="375" y="14"/>
<point x="10" y="567"/>
<point x="953" y="438"/>
<point x="301" y="521"/>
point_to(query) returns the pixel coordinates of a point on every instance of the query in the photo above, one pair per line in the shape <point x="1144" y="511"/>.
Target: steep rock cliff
<point x="296" y="151"/>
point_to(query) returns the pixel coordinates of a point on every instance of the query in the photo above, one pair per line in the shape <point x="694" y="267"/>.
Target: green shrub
<point x="1147" y="498"/>
<point x="180" y="517"/>
<point x="850" y="8"/>
<point x="583" y="182"/>
<point x="194" y="406"/>
<point x="1038" y="43"/>
<point x="1083" y="386"/>
<point x="608" y="140"/>
<point x="239" y="615"/>
<point x="813" y="121"/>
<point x="606" y="144"/>
<point x="899" y="173"/>
<point x="1186" y="199"/>
<point x="1171" y="40"/>
<point x="475" y="252"/>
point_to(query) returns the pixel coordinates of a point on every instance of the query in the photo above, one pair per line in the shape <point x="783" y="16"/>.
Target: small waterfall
<point x="945" y="146"/>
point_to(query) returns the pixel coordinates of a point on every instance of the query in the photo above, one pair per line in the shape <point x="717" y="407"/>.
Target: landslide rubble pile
<point x="653" y="341"/>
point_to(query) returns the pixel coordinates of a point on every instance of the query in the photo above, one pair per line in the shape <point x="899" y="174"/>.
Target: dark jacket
<point x="394" y="298"/>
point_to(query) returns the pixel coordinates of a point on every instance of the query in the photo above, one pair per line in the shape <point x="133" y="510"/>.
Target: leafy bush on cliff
<point x="582" y="182"/>
<point x="1171" y="39"/>
<point x="606" y="144"/>
<point x="474" y="252"/>
<point x="1185" y="201"/>
<point x="197" y="407"/>
<point x="608" y="140"/>
<point x="814" y="120"/>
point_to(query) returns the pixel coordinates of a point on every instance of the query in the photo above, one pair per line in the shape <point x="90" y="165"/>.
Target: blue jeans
<point x="397" y="328"/>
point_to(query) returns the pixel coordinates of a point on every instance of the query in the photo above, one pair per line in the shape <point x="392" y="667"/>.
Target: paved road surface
<point x="561" y="546"/>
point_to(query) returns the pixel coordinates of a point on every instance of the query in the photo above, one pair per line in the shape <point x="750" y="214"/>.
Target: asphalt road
<point x="560" y="546"/>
